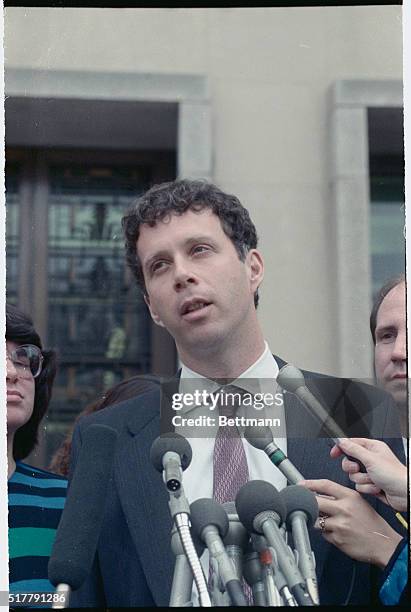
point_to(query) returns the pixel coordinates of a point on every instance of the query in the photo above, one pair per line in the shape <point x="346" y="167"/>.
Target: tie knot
<point x="229" y="400"/>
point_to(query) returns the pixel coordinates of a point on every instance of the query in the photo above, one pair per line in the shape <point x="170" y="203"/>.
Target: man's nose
<point x="183" y="274"/>
<point x="399" y="352"/>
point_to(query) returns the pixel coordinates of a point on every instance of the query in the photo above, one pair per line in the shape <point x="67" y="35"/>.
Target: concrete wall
<point x="270" y="72"/>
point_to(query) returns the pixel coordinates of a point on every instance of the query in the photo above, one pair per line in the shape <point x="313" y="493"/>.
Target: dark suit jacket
<point x="134" y="563"/>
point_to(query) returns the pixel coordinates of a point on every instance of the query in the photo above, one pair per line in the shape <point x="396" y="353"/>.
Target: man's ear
<point x="153" y="314"/>
<point x="255" y="266"/>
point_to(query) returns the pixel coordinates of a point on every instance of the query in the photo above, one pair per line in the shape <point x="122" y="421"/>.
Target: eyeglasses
<point x="27" y="359"/>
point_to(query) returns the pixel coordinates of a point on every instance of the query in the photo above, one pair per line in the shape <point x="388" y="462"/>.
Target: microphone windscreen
<point x="204" y="512"/>
<point x="170" y="442"/>
<point x="258" y="496"/>
<point x="80" y="524"/>
<point x="297" y="497"/>
<point x="259" y="437"/>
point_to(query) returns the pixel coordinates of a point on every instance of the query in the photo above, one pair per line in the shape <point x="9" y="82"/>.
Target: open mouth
<point x="193" y="306"/>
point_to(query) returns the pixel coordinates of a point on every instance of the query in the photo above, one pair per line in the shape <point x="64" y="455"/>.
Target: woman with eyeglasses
<point x="36" y="497"/>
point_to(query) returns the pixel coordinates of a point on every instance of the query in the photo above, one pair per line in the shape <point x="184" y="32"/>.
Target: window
<point x="70" y="207"/>
<point x="387" y="221"/>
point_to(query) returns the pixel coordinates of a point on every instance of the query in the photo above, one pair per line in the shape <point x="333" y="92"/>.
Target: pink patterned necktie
<point x="230" y="469"/>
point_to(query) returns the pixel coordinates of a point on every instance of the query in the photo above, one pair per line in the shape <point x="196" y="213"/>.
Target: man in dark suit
<point x="193" y="250"/>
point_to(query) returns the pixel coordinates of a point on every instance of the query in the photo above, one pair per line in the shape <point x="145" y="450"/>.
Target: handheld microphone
<point x="292" y="379"/>
<point x="210" y="523"/>
<point x="170" y="454"/>
<point x="302" y="512"/>
<point x="262" y="510"/>
<point x="80" y="524"/>
<point x="262" y="438"/>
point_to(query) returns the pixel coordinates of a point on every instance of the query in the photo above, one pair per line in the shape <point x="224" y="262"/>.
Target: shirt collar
<point x="250" y="380"/>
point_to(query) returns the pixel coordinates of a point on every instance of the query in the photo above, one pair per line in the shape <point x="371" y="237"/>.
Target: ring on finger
<point x="321" y="522"/>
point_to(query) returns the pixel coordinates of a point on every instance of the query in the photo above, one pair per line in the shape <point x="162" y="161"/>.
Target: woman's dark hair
<point x="20" y="329"/>
<point x="175" y="198"/>
<point x="136" y="385"/>
<point x="379" y="298"/>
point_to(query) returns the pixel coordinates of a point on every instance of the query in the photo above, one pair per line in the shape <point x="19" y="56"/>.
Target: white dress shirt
<point x="198" y="477"/>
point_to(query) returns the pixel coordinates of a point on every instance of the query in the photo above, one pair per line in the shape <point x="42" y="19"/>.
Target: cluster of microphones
<point x="248" y="539"/>
<point x="258" y="544"/>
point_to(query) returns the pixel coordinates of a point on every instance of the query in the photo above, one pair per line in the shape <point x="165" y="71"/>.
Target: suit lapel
<point x="145" y="505"/>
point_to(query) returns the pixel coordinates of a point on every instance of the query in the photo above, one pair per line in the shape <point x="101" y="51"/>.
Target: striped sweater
<point x="36" y="500"/>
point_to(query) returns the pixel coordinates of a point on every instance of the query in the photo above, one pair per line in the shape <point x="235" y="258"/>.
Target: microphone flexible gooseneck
<point x="170" y="454"/>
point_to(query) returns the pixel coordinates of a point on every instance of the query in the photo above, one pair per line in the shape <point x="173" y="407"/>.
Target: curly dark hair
<point x="381" y="295"/>
<point x="175" y="198"/>
<point x="20" y="329"/>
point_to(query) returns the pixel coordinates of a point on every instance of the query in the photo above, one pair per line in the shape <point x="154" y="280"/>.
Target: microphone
<point x="268" y="566"/>
<point x="302" y="512"/>
<point x="292" y="379"/>
<point x="182" y="584"/>
<point x="260" y="545"/>
<point x="253" y="574"/>
<point x="262" y="438"/>
<point x="236" y="539"/>
<point x="262" y="510"/>
<point x="210" y="523"/>
<point x="80" y="524"/>
<point x="170" y="454"/>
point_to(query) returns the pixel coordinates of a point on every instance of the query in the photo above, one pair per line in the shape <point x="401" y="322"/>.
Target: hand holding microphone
<point x="386" y="476"/>
<point x="352" y="525"/>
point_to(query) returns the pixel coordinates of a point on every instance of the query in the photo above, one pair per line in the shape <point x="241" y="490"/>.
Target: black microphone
<point x="170" y="454"/>
<point x="302" y="512"/>
<point x="292" y="379"/>
<point x="210" y="523"/>
<point x="80" y="524"/>
<point x="262" y="438"/>
<point x="262" y="510"/>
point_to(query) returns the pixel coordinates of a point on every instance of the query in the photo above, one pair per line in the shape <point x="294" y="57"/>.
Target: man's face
<point x="197" y="287"/>
<point x="390" y="345"/>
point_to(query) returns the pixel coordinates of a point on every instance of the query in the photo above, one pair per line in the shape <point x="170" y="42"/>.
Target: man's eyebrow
<point x="385" y="328"/>
<point x="187" y="242"/>
<point x="199" y="238"/>
<point x="147" y="263"/>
